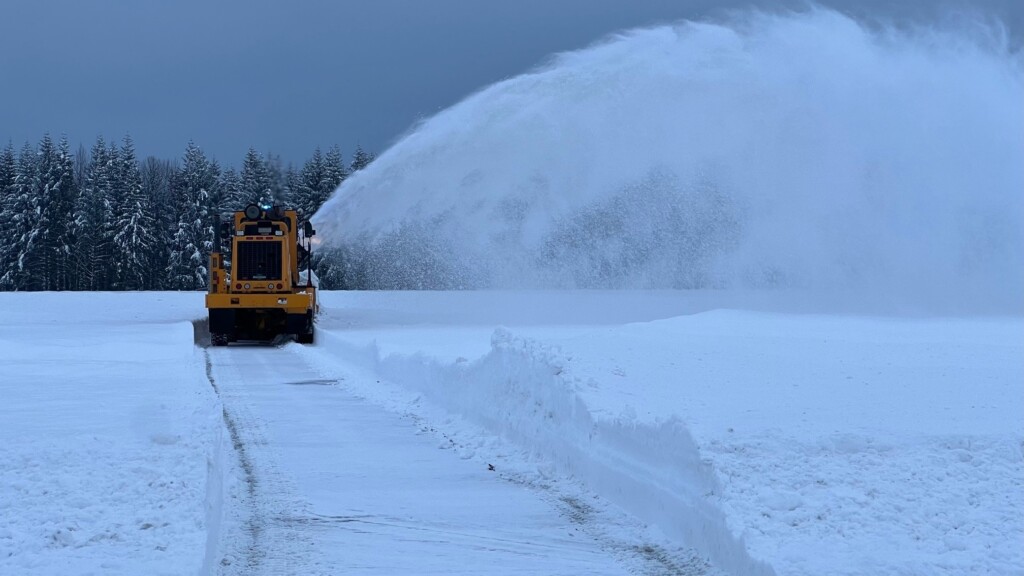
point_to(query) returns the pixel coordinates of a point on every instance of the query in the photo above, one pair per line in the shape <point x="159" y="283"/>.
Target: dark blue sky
<point x="289" y="76"/>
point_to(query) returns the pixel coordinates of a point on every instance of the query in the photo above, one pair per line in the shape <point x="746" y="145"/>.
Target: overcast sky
<point x="287" y="76"/>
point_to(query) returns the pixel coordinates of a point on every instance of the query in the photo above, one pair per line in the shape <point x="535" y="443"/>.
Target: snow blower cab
<point x="257" y="291"/>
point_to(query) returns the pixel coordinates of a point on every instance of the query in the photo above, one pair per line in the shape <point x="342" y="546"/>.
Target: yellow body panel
<point x="293" y="303"/>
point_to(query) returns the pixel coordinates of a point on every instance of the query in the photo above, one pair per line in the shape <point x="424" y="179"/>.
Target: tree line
<point x="103" y="220"/>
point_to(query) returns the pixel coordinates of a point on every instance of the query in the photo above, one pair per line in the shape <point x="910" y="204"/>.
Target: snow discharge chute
<point x="800" y="151"/>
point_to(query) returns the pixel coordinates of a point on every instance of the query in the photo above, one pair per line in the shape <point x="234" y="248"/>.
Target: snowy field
<point x="107" y="436"/>
<point x="759" y="434"/>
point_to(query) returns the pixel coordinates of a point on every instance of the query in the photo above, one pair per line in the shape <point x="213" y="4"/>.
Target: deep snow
<point x="769" y="440"/>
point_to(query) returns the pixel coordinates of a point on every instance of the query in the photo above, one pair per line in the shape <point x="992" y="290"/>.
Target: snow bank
<point x="795" y="150"/>
<point x="108" y="436"/>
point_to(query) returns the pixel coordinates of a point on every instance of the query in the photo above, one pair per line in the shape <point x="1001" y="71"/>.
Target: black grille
<point x="258" y="260"/>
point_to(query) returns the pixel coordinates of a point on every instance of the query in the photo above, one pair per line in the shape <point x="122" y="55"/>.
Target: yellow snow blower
<point x="256" y="291"/>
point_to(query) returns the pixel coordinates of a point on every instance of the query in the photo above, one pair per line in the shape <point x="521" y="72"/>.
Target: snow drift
<point x="800" y="150"/>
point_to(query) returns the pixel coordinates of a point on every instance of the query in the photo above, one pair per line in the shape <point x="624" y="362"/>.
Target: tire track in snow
<point x="260" y="538"/>
<point x="253" y="526"/>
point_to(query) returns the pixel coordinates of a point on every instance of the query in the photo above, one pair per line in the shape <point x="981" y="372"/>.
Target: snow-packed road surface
<point x="628" y="432"/>
<point x="332" y="484"/>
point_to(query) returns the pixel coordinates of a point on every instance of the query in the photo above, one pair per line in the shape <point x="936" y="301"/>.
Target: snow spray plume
<point x="800" y="151"/>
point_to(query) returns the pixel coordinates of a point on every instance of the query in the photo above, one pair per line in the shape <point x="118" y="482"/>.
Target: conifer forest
<point x="102" y="219"/>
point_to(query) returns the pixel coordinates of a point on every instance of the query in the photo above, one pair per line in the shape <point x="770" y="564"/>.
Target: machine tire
<point x="306" y="338"/>
<point x="218" y="339"/>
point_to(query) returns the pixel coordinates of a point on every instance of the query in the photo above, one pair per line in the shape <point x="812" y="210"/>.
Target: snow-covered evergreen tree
<point x="334" y="174"/>
<point x="62" y="193"/>
<point x="38" y="257"/>
<point x="311" y="180"/>
<point x="360" y="159"/>
<point x="38" y="192"/>
<point x="217" y="194"/>
<point x="81" y="167"/>
<point x="16" y="276"/>
<point x="156" y="186"/>
<point x="291" y="187"/>
<point x="320" y="176"/>
<point x="187" y="266"/>
<point x="8" y="241"/>
<point x="276" y="181"/>
<point x="232" y="197"/>
<point x="334" y="168"/>
<point x="26" y="179"/>
<point x="255" y="180"/>
<point x="93" y="222"/>
<point x="134" y="227"/>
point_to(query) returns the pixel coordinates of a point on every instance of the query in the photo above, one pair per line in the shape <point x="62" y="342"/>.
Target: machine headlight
<point x="247" y="285"/>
